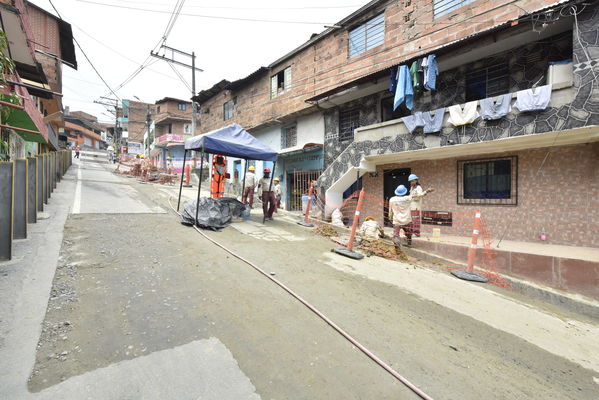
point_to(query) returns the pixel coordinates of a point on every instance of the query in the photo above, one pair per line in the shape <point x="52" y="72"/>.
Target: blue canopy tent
<point x="233" y="141"/>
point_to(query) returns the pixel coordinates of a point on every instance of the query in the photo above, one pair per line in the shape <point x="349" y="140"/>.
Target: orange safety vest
<point x="219" y="174"/>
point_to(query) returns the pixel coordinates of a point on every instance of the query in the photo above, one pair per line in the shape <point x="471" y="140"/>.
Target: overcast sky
<point x="118" y="40"/>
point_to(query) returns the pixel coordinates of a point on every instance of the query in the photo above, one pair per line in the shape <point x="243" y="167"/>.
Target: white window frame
<point x="366" y="36"/>
<point x="443" y="7"/>
<point x="230" y="115"/>
<point x="280" y="82"/>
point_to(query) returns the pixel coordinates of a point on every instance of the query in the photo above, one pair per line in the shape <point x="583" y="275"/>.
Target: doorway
<point x="391" y="180"/>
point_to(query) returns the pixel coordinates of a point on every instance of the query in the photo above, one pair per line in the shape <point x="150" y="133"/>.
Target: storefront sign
<point x="169" y="137"/>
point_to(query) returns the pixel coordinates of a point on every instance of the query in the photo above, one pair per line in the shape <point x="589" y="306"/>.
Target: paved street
<point x="121" y="301"/>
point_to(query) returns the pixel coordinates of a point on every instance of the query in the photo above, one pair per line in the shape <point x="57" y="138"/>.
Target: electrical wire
<point x="179" y="75"/>
<point x="248" y="8"/>
<point x="85" y="55"/>
<point x="321" y="315"/>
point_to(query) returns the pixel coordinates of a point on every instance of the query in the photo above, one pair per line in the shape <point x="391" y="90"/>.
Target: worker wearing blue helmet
<point x="400" y="215"/>
<point x="417" y="194"/>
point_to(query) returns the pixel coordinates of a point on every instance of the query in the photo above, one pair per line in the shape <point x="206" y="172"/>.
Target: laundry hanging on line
<point x="393" y="80"/>
<point x="431" y="72"/>
<point x="433" y="120"/>
<point x="404" y="91"/>
<point x="495" y="108"/>
<point x="535" y="99"/>
<point x="413" y="121"/>
<point x="459" y="116"/>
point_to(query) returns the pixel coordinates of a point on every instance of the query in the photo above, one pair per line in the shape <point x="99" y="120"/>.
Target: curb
<point x="571" y="302"/>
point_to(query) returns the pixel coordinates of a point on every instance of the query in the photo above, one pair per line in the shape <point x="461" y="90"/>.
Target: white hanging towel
<point x="535" y="99"/>
<point x="465" y="116"/>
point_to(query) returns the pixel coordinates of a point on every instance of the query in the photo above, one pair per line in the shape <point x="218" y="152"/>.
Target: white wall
<point x="310" y="129"/>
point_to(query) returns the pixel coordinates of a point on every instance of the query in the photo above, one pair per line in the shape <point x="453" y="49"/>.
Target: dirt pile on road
<point x="383" y="248"/>
<point x="325" y="230"/>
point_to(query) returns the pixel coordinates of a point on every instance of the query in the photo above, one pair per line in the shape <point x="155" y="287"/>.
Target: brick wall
<point x="325" y="65"/>
<point x="563" y="198"/>
<point x="137" y="119"/>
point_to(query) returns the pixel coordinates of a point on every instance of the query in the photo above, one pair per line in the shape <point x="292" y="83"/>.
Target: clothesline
<point x="491" y="108"/>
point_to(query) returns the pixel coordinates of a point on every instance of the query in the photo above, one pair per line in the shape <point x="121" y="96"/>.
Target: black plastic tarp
<point x="214" y="214"/>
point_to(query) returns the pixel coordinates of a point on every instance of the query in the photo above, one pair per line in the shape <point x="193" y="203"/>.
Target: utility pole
<point x="109" y="104"/>
<point x="148" y="123"/>
<point x="172" y="60"/>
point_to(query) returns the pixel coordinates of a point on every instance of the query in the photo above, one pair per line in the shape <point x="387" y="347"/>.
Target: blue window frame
<point x="367" y="36"/>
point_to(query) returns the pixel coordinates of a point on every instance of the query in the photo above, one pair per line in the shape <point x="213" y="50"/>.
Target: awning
<point x="308" y="147"/>
<point x="233" y="141"/>
<point x="21" y="121"/>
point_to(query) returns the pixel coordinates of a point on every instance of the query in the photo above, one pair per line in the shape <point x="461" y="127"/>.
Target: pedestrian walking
<point x="278" y="193"/>
<point x="77" y="150"/>
<point x="417" y="194"/>
<point x="268" y="196"/>
<point x="250" y="185"/>
<point x="400" y="214"/>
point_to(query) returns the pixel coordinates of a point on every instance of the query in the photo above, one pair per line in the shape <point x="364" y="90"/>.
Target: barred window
<point x="367" y="36"/>
<point x="288" y="136"/>
<point x="492" y="181"/>
<point x="442" y="7"/>
<point x="348" y="121"/>
<point x="228" y="110"/>
<point x="487" y="82"/>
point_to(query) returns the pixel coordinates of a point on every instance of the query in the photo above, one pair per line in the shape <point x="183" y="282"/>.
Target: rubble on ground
<point x="325" y="230"/>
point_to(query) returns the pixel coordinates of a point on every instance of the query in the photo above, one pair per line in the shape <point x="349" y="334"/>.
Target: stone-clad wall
<point x="582" y="111"/>
<point x="527" y="65"/>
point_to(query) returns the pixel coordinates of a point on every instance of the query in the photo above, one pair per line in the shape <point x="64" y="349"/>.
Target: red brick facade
<point x="325" y="65"/>
<point x="562" y="199"/>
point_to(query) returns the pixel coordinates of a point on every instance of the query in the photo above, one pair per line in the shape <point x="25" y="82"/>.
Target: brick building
<point x="532" y="173"/>
<point x="83" y="129"/>
<point x="172" y="124"/>
<point x="39" y="43"/>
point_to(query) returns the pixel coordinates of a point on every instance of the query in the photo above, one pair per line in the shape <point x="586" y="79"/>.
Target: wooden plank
<point x="6" y="204"/>
<point x="20" y="199"/>
<point x="32" y="190"/>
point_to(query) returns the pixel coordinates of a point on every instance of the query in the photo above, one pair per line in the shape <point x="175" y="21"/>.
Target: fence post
<point x="20" y="199"/>
<point x="348" y="252"/>
<point x="307" y="214"/>
<point x="32" y="190"/>
<point x="469" y="273"/>
<point x="40" y="182"/>
<point x="6" y="204"/>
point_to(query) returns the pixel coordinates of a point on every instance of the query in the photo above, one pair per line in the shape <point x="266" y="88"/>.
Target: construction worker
<point x="278" y="193"/>
<point x="268" y="196"/>
<point x="416" y="205"/>
<point x="371" y="229"/>
<point x="250" y="185"/>
<point x="400" y="214"/>
<point x="169" y="165"/>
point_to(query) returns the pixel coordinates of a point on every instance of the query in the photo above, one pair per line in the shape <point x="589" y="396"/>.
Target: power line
<point x="85" y="55"/>
<point x="249" y="8"/>
<point x="162" y="40"/>
<point x="206" y="16"/>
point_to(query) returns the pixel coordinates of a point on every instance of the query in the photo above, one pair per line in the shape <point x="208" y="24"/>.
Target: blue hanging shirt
<point x="430" y="80"/>
<point x="405" y="90"/>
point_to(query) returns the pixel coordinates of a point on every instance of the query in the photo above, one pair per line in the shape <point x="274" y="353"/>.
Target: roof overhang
<point x="308" y="147"/>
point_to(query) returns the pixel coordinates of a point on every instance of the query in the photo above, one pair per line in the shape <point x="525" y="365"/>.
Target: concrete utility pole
<point x="148" y="123"/>
<point x="172" y="60"/>
<point x="109" y="104"/>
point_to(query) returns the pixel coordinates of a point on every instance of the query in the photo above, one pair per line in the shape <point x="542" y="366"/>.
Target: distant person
<point x="400" y="214"/>
<point x="250" y="185"/>
<point x="268" y="196"/>
<point x="77" y="150"/>
<point x="416" y="205"/>
<point x="278" y="193"/>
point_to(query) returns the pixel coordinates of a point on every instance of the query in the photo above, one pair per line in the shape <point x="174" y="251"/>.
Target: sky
<point x="117" y="36"/>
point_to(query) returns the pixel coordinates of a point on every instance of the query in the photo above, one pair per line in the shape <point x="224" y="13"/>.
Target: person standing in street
<point x="268" y="196"/>
<point x="278" y="193"/>
<point x="417" y="194"/>
<point x="400" y="214"/>
<point x="77" y="150"/>
<point x="250" y="185"/>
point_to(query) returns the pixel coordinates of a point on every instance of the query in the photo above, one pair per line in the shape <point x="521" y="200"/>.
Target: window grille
<point x="491" y="181"/>
<point x="442" y="7"/>
<point x="288" y="137"/>
<point x="367" y="36"/>
<point x="228" y="110"/>
<point x="348" y="121"/>
<point x="488" y="82"/>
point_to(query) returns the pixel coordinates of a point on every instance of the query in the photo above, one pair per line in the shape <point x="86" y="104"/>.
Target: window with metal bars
<point x="491" y="181"/>
<point x="228" y="110"/>
<point x="488" y="81"/>
<point x="288" y="137"/>
<point x="367" y="36"/>
<point x="442" y="7"/>
<point x="348" y="121"/>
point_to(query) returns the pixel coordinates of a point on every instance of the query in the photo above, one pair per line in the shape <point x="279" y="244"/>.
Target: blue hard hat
<point x="401" y="190"/>
<point x="412" y="177"/>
